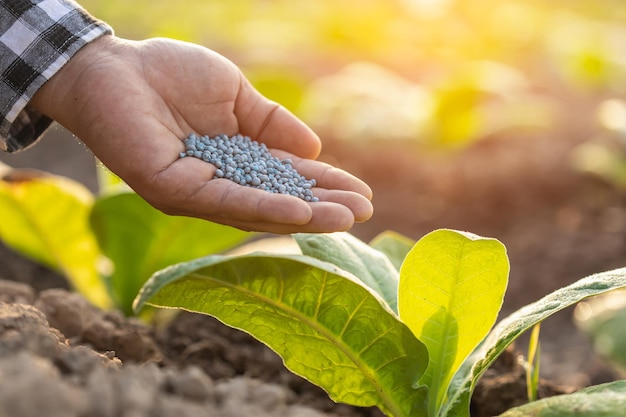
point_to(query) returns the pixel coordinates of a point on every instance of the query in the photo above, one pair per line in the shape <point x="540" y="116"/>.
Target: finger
<point x="187" y="188"/>
<point x="326" y="175"/>
<point x="327" y="218"/>
<point x="195" y="193"/>
<point x="268" y="122"/>
<point x="358" y="202"/>
<point x="361" y="207"/>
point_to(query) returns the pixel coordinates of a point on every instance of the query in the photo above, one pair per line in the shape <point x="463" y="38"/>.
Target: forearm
<point x="36" y="41"/>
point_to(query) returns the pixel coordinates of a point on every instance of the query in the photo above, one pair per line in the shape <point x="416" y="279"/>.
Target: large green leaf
<point x="347" y="252"/>
<point x="139" y="240"/>
<point x="394" y="245"/>
<point x="45" y="218"/>
<point x="606" y="400"/>
<point x="514" y="325"/>
<point x="326" y="326"/>
<point x="452" y="286"/>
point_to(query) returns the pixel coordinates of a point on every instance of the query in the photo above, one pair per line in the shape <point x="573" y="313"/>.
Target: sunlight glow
<point x="429" y="8"/>
<point x="443" y="72"/>
<point x="612" y="114"/>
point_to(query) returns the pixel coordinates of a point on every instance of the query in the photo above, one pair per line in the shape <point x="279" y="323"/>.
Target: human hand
<point x="132" y="103"/>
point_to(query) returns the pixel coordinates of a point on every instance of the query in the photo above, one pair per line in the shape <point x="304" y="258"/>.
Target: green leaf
<point x="394" y="245"/>
<point x="347" y="252"/>
<point x="45" y="218"/>
<point x="606" y="400"/>
<point x="452" y="286"/>
<point x="326" y="326"/>
<point x="618" y="387"/>
<point x="139" y="240"/>
<point x="533" y="363"/>
<point x="514" y="325"/>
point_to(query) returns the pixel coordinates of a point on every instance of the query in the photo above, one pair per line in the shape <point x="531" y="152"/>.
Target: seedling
<point x="532" y="365"/>
<point x="107" y="245"/>
<point x="412" y="342"/>
<point x="401" y="325"/>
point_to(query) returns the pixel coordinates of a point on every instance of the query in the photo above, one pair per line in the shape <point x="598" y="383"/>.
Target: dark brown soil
<point x="557" y="224"/>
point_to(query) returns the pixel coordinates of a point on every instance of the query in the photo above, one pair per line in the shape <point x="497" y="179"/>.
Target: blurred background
<point x="506" y="118"/>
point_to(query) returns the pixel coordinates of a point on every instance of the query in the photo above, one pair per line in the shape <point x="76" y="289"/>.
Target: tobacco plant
<point x="403" y="326"/>
<point x="108" y="244"/>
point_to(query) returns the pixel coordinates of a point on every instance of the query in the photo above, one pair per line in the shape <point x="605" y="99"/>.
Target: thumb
<point x="267" y="121"/>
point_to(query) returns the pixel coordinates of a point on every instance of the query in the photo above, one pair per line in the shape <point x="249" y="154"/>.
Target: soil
<point x="558" y="225"/>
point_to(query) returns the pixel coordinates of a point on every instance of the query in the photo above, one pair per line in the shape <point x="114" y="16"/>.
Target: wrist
<point x="58" y="98"/>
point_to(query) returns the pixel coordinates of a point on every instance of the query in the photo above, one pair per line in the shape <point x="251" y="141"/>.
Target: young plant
<point x="46" y="218"/>
<point x="332" y="313"/>
<point x="409" y="341"/>
<point x="533" y="364"/>
<point x="107" y="245"/>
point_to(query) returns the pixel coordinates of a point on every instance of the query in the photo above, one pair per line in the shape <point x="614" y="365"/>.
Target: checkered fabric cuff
<point x="37" y="37"/>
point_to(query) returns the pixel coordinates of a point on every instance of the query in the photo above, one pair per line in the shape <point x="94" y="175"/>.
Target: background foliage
<point x="433" y="71"/>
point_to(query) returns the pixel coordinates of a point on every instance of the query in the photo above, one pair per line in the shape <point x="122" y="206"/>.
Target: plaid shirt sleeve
<point x="37" y="37"/>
